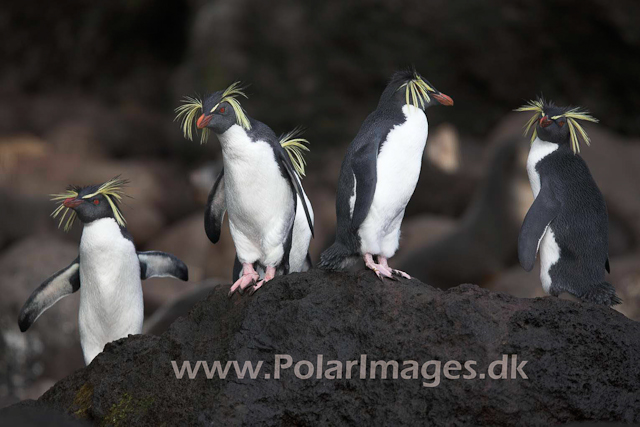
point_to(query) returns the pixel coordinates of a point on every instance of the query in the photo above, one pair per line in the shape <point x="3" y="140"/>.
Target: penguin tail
<point x="602" y="293"/>
<point x="337" y="257"/>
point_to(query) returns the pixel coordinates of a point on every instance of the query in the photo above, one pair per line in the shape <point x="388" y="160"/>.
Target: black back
<point x="581" y="226"/>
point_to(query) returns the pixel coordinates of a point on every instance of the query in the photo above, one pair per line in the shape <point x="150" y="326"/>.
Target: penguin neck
<point x="539" y="150"/>
<point x="235" y="141"/>
<point x="246" y="158"/>
<point x="103" y="231"/>
<point x="410" y="110"/>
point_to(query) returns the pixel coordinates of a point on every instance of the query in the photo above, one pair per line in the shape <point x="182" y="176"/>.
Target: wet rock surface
<point x="582" y="359"/>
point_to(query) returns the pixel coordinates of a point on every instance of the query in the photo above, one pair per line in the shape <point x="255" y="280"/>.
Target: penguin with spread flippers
<point x="380" y="173"/>
<point x="107" y="271"/>
<point x="270" y="216"/>
<point x="567" y="222"/>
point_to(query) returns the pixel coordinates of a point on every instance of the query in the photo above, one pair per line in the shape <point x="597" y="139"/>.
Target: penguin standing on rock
<point x="270" y="216"/>
<point x="567" y="222"/>
<point x="108" y="270"/>
<point x="380" y="173"/>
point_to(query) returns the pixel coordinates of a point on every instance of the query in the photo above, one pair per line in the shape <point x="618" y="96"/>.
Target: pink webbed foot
<point x="380" y="270"/>
<point x="249" y="276"/>
<point x="268" y="275"/>
<point x="384" y="262"/>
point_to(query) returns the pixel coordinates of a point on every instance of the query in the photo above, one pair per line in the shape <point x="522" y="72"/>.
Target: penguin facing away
<point x="567" y="222"/>
<point x="107" y="271"/>
<point x="379" y="174"/>
<point x="270" y="216"/>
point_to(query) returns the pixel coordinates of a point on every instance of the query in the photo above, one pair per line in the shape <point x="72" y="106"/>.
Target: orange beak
<point x="443" y="99"/>
<point x="203" y="121"/>
<point x="72" y="203"/>
<point x="544" y="121"/>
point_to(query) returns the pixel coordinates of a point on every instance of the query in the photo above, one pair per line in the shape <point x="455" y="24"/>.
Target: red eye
<point x="561" y="123"/>
<point x="95" y="202"/>
<point x="221" y="109"/>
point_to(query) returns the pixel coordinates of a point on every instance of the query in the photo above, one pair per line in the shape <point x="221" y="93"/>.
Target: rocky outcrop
<point x="582" y="359"/>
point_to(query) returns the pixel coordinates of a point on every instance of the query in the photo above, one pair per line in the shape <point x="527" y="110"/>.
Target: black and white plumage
<point x="379" y="174"/>
<point x="270" y="216"/>
<point x="567" y="223"/>
<point x="107" y="271"/>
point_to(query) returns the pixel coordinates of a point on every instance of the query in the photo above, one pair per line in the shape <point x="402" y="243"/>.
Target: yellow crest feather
<point x="61" y="197"/>
<point x="572" y="115"/>
<point x="111" y="190"/>
<point x="295" y="148"/>
<point x="417" y="91"/>
<point x="192" y="108"/>
<point x="188" y="114"/>
<point x="537" y="107"/>
<point x="575" y="128"/>
<point x="230" y="95"/>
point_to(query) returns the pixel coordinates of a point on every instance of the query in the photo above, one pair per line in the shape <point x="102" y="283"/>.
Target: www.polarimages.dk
<point x="507" y="367"/>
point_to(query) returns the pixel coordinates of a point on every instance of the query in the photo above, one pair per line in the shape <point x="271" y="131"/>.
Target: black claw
<point x="397" y="273"/>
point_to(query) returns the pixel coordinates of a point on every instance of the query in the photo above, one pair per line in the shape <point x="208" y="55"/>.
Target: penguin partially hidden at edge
<point x="108" y="270"/>
<point x="567" y="222"/>
<point x="379" y="174"/>
<point x="270" y="216"/>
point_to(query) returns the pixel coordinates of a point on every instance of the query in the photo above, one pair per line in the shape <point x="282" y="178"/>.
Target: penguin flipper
<point x="544" y="209"/>
<point x="295" y="182"/>
<point x="607" y="266"/>
<point x="364" y="165"/>
<point x="56" y="287"/>
<point x="215" y="210"/>
<point x="161" y="264"/>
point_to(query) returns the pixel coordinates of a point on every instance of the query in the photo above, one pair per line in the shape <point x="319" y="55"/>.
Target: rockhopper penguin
<point x="379" y="174"/>
<point x="567" y="222"/>
<point x="108" y="270"/>
<point x="270" y="216"/>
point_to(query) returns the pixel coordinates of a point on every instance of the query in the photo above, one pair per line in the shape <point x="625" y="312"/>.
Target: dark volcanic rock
<point x="34" y="414"/>
<point x="582" y="359"/>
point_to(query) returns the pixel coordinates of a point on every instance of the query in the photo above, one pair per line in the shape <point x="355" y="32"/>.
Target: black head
<point x="552" y="125"/>
<point x="218" y="112"/>
<point x="91" y="203"/>
<point x="555" y="124"/>
<point x="409" y="87"/>
<point x="91" y="208"/>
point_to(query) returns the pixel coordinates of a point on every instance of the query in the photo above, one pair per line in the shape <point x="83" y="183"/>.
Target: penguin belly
<point x="111" y="305"/>
<point x="549" y="256"/>
<point x="398" y="169"/>
<point x="259" y="199"/>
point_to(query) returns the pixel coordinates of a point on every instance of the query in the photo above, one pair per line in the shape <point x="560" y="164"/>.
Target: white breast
<point x="398" y="169"/>
<point x="547" y="245"/>
<point x="539" y="150"/>
<point x="399" y="164"/>
<point x="259" y="199"/>
<point x="111" y="305"/>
